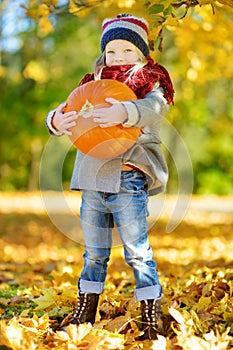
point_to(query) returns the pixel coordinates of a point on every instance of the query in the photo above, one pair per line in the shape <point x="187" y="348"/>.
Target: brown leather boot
<point x="151" y="319"/>
<point x="85" y="312"/>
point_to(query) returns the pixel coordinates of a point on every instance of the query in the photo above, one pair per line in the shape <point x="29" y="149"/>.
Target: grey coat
<point x="104" y="174"/>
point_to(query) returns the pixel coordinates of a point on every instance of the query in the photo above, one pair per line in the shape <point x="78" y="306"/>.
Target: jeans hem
<point x="151" y="292"/>
<point x="90" y="286"/>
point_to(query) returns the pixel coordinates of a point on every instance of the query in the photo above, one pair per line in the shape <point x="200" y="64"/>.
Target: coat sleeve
<point x="147" y="111"/>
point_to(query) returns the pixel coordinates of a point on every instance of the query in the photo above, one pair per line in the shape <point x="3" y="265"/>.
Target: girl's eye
<point x="128" y="50"/>
<point x="110" y="52"/>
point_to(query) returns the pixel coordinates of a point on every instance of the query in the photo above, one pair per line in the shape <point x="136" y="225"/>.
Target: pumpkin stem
<point x="86" y="110"/>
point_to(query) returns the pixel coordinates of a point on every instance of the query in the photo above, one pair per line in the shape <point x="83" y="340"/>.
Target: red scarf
<point x="140" y="82"/>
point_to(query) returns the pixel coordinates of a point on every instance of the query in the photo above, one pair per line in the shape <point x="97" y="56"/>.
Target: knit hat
<point x="126" y="27"/>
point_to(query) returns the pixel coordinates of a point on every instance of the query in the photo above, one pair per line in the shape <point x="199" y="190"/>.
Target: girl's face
<point x="121" y="52"/>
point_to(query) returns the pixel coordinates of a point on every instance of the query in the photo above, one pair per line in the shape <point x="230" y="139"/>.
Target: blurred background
<point x="47" y="47"/>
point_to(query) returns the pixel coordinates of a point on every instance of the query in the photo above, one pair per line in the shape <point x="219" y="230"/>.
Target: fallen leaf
<point x="48" y="299"/>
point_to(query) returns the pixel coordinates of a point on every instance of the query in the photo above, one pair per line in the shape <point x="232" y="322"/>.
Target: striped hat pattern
<point x="126" y="27"/>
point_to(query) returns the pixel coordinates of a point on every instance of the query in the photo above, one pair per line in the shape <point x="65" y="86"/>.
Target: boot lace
<point x="152" y="312"/>
<point x="81" y="307"/>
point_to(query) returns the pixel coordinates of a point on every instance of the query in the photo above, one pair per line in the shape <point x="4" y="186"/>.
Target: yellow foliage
<point x="226" y="2"/>
<point x="43" y="10"/>
<point x="205" y="45"/>
<point x="40" y="323"/>
<point x="154" y="32"/>
<point x="16" y="336"/>
<point x="86" y="337"/>
<point x="3" y="71"/>
<point x="118" y="324"/>
<point x="107" y="8"/>
<point x="81" y="11"/>
<point x="162" y="12"/>
<point x="34" y="70"/>
<point x="126" y="3"/>
<point x="47" y="300"/>
<point x="205" y="2"/>
<point x="45" y="26"/>
<point x="164" y="3"/>
<point x="188" y="340"/>
<point x="204" y="303"/>
<point x="171" y="22"/>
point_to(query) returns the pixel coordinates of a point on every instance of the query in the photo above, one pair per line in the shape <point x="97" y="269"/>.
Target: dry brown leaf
<point x="118" y="324"/>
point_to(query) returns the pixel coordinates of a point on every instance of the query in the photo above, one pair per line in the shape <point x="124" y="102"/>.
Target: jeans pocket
<point x="133" y="182"/>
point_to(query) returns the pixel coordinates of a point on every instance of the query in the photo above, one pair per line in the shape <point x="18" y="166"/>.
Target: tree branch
<point x="187" y="3"/>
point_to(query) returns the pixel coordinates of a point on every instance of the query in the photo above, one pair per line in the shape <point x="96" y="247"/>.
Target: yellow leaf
<point x="25" y="313"/>
<point x="39" y="323"/>
<point x="220" y="307"/>
<point x="228" y="316"/>
<point x="48" y="299"/>
<point x="171" y="22"/>
<point x="43" y="10"/>
<point x="73" y="7"/>
<point x="69" y="295"/>
<point x="154" y="32"/>
<point x="106" y="340"/>
<point x="45" y="26"/>
<point x="64" y="278"/>
<point x="203" y="303"/>
<point x="126" y="3"/>
<point x="196" y="321"/>
<point x="205" y="2"/>
<point x="81" y="11"/>
<point x="226" y="2"/>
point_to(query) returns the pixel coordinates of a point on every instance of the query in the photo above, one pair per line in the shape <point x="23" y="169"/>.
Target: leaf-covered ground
<point x="39" y="268"/>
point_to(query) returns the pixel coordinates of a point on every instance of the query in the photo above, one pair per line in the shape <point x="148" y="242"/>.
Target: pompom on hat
<point x="126" y="27"/>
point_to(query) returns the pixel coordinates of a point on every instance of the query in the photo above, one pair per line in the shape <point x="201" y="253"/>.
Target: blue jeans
<point x="128" y="210"/>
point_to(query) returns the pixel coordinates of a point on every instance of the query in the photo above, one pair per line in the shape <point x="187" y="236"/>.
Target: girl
<point x="116" y="190"/>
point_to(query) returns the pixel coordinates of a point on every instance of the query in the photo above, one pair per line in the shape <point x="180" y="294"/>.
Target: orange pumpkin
<point x="87" y="136"/>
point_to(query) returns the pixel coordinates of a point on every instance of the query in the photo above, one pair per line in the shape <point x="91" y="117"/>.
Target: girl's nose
<point x="118" y="58"/>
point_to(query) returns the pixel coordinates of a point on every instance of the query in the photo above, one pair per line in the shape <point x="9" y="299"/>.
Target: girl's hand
<point x="63" y="121"/>
<point x="110" y="116"/>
